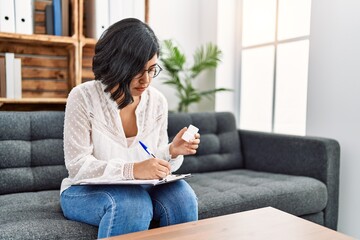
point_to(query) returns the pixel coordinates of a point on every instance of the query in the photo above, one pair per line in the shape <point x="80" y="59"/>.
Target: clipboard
<point x="154" y="182"/>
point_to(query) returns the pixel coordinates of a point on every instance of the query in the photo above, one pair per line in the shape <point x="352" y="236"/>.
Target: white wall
<point x="227" y="73"/>
<point x="334" y="95"/>
<point x="190" y="23"/>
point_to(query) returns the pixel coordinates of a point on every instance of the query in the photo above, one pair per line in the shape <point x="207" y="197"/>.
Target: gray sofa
<point x="234" y="170"/>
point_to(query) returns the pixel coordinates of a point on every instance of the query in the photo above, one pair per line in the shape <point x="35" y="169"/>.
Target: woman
<point x="104" y="121"/>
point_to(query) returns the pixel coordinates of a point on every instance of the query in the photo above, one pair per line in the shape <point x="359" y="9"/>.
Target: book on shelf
<point x="9" y="70"/>
<point x="49" y="19"/>
<point x="2" y="78"/>
<point x="17" y="78"/>
<point x="13" y="80"/>
<point x="57" y="17"/>
<point x="65" y="17"/>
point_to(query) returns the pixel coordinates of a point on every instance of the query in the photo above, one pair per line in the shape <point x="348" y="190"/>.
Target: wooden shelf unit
<point x="51" y="65"/>
<point x="50" y="40"/>
<point x="31" y="104"/>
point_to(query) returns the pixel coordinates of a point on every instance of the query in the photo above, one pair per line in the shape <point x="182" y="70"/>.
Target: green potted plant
<point x="181" y="77"/>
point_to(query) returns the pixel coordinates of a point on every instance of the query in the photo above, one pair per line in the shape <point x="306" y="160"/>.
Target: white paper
<point x="169" y="178"/>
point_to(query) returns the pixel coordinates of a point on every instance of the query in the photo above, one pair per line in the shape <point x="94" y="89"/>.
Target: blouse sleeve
<point x="163" y="145"/>
<point x="78" y="147"/>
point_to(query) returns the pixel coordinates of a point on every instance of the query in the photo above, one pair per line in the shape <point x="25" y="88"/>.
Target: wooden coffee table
<point x="264" y="223"/>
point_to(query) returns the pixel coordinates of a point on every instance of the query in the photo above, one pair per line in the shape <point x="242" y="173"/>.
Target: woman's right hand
<point x="152" y="168"/>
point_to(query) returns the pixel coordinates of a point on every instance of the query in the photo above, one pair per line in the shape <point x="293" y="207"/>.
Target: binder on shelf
<point x="9" y="69"/>
<point x="17" y="78"/>
<point x="65" y="17"/>
<point x="97" y="20"/>
<point x="49" y="19"/>
<point x="2" y="78"/>
<point x="57" y="17"/>
<point x="24" y="20"/>
<point x="120" y="9"/>
<point x="7" y="16"/>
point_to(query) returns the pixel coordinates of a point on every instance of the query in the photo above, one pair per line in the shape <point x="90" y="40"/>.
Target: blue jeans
<point x="124" y="209"/>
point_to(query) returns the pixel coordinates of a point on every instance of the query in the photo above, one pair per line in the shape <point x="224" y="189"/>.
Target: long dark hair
<point x="122" y="52"/>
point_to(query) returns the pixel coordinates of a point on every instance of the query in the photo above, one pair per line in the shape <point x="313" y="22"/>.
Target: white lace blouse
<point x="95" y="145"/>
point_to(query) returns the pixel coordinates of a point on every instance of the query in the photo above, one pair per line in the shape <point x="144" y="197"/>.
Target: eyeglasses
<point x="152" y="71"/>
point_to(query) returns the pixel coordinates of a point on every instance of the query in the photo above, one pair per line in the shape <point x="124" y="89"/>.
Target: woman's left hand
<point x="181" y="147"/>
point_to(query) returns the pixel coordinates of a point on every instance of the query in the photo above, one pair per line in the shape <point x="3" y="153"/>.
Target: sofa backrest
<point x="32" y="157"/>
<point x="219" y="148"/>
<point x="31" y="151"/>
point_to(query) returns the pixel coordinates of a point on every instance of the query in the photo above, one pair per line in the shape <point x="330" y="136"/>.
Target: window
<point x="274" y="65"/>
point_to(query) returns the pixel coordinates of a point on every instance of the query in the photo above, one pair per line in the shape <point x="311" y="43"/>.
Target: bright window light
<point x="274" y="68"/>
<point x="259" y="22"/>
<point x="257" y="89"/>
<point x="291" y="87"/>
<point x="294" y="18"/>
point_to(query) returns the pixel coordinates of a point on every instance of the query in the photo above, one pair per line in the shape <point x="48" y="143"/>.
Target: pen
<point x="147" y="149"/>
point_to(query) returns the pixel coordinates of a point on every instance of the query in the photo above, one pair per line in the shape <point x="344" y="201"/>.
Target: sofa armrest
<point x="314" y="157"/>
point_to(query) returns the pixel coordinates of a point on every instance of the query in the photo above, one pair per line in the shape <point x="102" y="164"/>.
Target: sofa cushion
<point x="39" y="216"/>
<point x="31" y="151"/>
<point x="220" y="144"/>
<point x="232" y="191"/>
